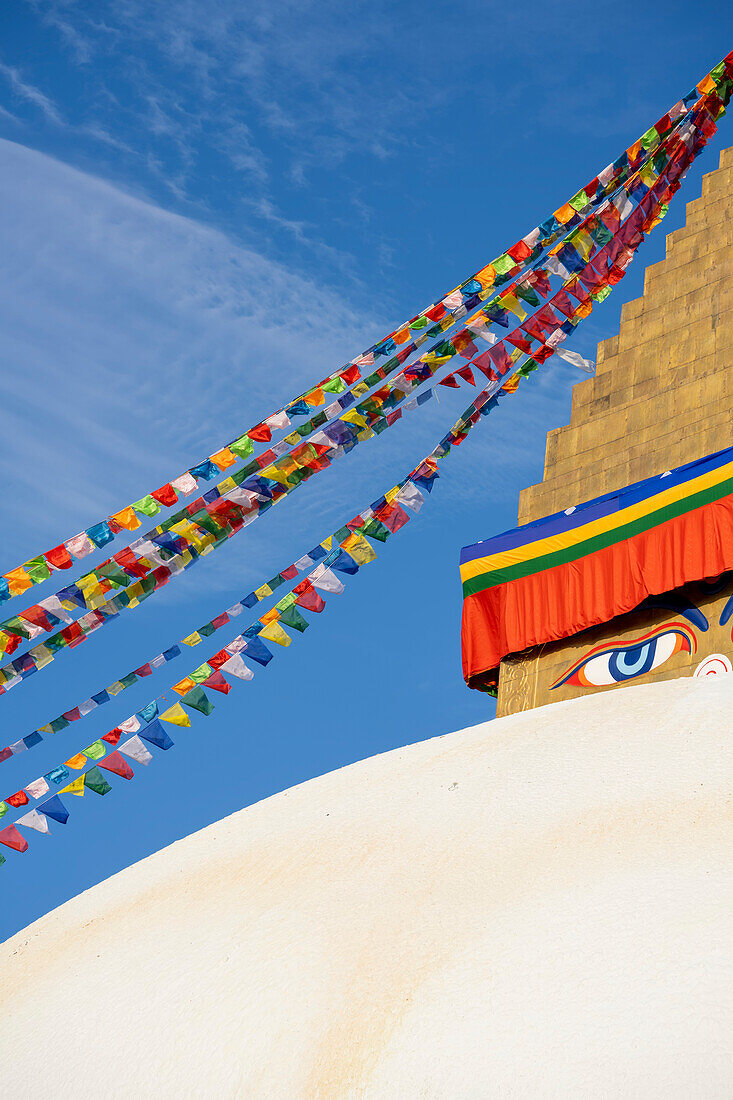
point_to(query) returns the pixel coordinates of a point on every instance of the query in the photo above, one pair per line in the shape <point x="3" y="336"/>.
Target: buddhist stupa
<point x="537" y="906"/>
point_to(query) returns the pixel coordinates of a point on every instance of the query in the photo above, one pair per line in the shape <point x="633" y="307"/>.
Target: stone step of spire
<point x="663" y="390"/>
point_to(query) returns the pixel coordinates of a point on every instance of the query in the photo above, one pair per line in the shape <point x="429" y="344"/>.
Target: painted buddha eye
<point x="612" y="664"/>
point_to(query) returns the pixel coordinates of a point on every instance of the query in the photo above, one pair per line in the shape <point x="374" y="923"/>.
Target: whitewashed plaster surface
<point x="539" y="906"/>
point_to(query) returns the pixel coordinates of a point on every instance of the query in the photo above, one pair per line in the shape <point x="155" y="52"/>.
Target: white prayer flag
<point x="37" y="788"/>
<point x="34" y="820"/>
<point x="235" y="666"/>
<point x="135" y="749"/>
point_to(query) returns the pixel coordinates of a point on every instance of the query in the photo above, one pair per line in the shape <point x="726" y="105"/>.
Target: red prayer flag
<point x="113" y="737"/>
<point x="467" y="374"/>
<point x="218" y="683"/>
<point x="219" y="659"/>
<point x="260" y="434"/>
<point x="449" y="380"/>
<point x="11" y="838"/>
<point x="166" y="495"/>
<point x="486" y="366"/>
<point x="38" y="617"/>
<point x="350" y="375"/>
<point x="464" y="345"/>
<point x="519" y="252"/>
<point x="117" y="764"/>
<point x="20" y="798"/>
<point x="309" y="598"/>
<point x="59" y="557"/>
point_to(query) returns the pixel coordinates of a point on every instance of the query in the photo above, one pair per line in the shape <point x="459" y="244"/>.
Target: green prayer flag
<point x="3" y="808"/>
<point x="95" y="751"/>
<point x="504" y="264"/>
<point x="304" y="429"/>
<point x="602" y="294"/>
<point x="115" y="574"/>
<point x="197" y="699"/>
<point x="147" y="506"/>
<point x="129" y="680"/>
<point x="650" y="138"/>
<point x="419" y="322"/>
<point x="292" y="617"/>
<point x="342" y="533"/>
<point x="527" y="294"/>
<point x="96" y="782"/>
<point x="286" y="601"/>
<point x="58" y="724"/>
<point x="15" y="626"/>
<point x="242" y="447"/>
<point x="598" y="232"/>
<point x="206" y="522"/>
<point x="579" y="201"/>
<point x="2" y="860"/>
<point x="201" y="673"/>
<point x="207" y="630"/>
<point x="336" y="385"/>
<point x="376" y="530"/>
<point x="37" y="569"/>
<point x="318" y="419"/>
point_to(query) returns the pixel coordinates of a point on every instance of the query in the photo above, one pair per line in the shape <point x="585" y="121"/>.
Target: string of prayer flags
<point x="391" y="517"/>
<point x="498" y="359"/>
<point x="637" y="158"/>
<point x="589" y="282"/>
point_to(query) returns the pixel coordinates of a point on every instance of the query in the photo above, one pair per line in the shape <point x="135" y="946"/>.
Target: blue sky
<point x="203" y="211"/>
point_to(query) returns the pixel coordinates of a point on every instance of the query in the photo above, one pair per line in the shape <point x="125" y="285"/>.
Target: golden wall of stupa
<point x="662" y="396"/>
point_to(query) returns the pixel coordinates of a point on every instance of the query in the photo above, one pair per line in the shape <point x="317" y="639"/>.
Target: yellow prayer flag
<point x="176" y="715"/>
<point x="510" y="301"/>
<point x="486" y="276"/>
<point x="76" y="762"/>
<point x="275" y="474"/>
<point x="292" y="439"/>
<point x="126" y="518"/>
<point x="565" y="213"/>
<point x="42" y="655"/>
<point x="392" y="493"/>
<point x="192" y="639"/>
<point x="352" y="417"/>
<point x="223" y="459"/>
<point x="184" y="686"/>
<point x="75" y="787"/>
<point x="18" y="581"/>
<point x="275" y="633"/>
<point x="227" y="484"/>
<point x="367" y="433"/>
<point x="263" y="592"/>
<point x="359" y="549"/>
<point x="360" y="389"/>
<point x="314" y="398"/>
<point x="327" y="543"/>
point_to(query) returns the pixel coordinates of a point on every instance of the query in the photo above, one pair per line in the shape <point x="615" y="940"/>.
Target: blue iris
<point x="634" y="661"/>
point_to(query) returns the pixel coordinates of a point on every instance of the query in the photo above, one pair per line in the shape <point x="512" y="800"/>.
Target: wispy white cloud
<point x="27" y="91"/>
<point x="135" y="341"/>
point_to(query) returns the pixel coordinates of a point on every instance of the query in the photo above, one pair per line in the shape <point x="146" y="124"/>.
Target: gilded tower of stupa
<point x="662" y="396"/>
